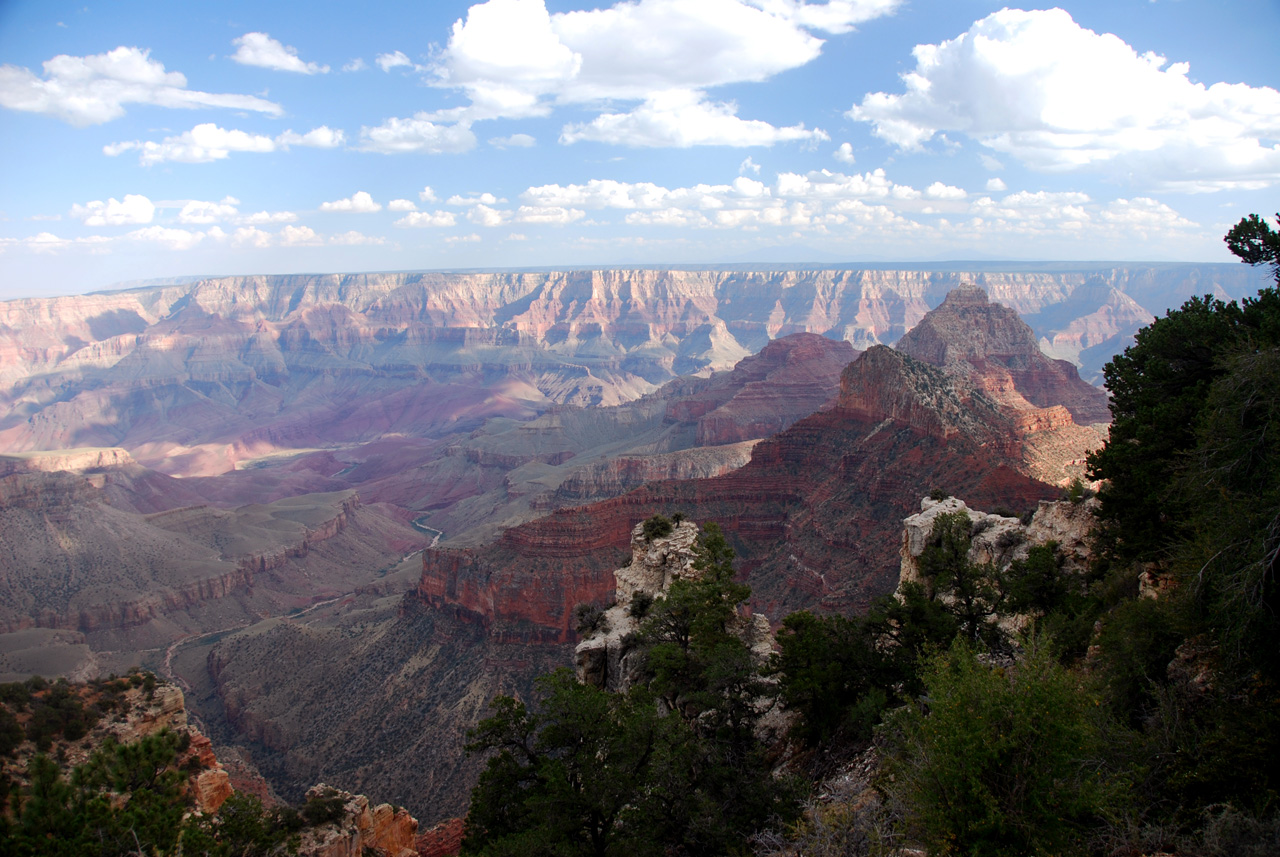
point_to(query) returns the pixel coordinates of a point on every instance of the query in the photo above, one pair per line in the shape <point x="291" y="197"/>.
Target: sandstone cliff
<point x="814" y="514"/>
<point x="202" y="376"/>
<point x="969" y="334"/>
<point x="999" y="540"/>
<point x="359" y="829"/>
<point x="690" y="428"/>
<point x="815" y="517"/>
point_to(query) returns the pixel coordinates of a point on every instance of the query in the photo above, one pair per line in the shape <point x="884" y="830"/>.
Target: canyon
<point x="815" y="517"/>
<point x="229" y="480"/>
<point x="202" y="377"/>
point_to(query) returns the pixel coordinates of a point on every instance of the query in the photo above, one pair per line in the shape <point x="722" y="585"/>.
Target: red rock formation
<point x="967" y="333"/>
<point x="616" y="476"/>
<point x="360" y="829"/>
<point x="790" y="378"/>
<point x="815" y="514"/>
<point x="139" y="714"/>
<point x="441" y="840"/>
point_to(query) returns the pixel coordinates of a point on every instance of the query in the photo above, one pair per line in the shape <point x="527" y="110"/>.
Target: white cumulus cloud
<point x="844" y="154"/>
<point x="396" y="59"/>
<point x="417" y="134"/>
<point x="834" y="16"/>
<point x="428" y="218"/>
<point x="402" y="205"/>
<point x="200" y="212"/>
<point x="484" y="215"/>
<point x="323" y="137"/>
<point x="475" y="199"/>
<point x="249" y="236"/>
<point x="299" y="236"/>
<point x="1038" y="86"/>
<point x="134" y="208"/>
<point x="359" y="202"/>
<point x="209" y="142"/>
<point x="554" y="215"/>
<point x="261" y="50"/>
<point x="938" y="190"/>
<point x="514" y="59"/>
<point x="269" y="217"/>
<point x="203" y="143"/>
<point x="682" y="118"/>
<point x="93" y="89"/>
<point x="174" y="239"/>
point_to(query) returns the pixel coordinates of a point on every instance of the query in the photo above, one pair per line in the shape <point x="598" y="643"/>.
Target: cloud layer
<point x="1060" y="97"/>
<point x="208" y="142"/>
<point x="513" y="59"/>
<point x="94" y="89"/>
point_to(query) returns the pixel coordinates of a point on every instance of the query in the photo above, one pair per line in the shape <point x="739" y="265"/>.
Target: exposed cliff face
<point x="690" y="428"/>
<point x="202" y="376"/>
<point x="969" y="334"/>
<point x="999" y="541"/>
<point x="359" y="829"/>
<point x="815" y="517"/>
<point x="764" y="394"/>
<point x="606" y="658"/>
<point x="615" y="476"/>
<point x="306" y="698"/>
<point x="815" y="514"/>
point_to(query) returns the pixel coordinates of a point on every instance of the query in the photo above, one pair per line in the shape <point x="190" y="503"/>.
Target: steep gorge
<point x="815" y="516"/>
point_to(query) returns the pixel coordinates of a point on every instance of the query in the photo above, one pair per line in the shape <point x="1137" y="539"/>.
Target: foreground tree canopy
<point x="672" y="766"/>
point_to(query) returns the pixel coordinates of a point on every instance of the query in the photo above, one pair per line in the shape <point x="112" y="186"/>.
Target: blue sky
<point x="150" y="139"/>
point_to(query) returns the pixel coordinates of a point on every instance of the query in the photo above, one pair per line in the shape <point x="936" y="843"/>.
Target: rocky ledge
<point x="605" y="658"/>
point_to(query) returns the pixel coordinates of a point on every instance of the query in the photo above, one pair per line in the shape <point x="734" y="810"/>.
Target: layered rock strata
<point x="969" y="334"/>
<point x="76" y="558"/>
<point x="815" y="514"/>
<point x="199" y="377"/>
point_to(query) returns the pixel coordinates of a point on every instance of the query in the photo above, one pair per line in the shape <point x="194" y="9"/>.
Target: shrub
<point x="1077" y="493"/>
<point x="640" y="604"/>
<point x="323" y="808"/>
<point x="590" y="618"/>
<point x="1011" y="538"/>
<point x="657" y="527"/>
<point x="938" y="494"/>
<point x="995" y="765"/>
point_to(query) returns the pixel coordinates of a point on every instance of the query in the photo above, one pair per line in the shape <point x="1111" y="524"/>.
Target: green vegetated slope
<point x="1132" y="708"/>
<point x="110" y="768"/>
